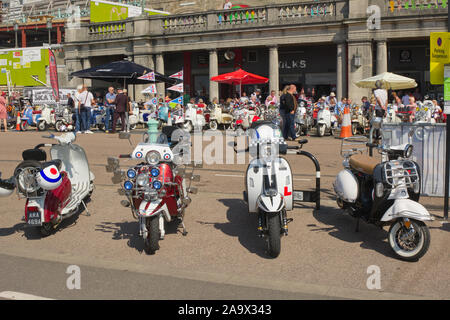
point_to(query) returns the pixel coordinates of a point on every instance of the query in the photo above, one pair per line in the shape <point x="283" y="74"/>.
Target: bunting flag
<point x="178" y="75"/>
<point x="149" y="76"/>
<point x="176" y="101"/>
<point x="178" y="88"/>
<point x="151" y="89"/>
<point x="53" y="71"/>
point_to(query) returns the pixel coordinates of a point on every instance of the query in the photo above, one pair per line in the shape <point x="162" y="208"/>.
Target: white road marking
<point x="11" y="295"/>
<point x="241" y="176"/>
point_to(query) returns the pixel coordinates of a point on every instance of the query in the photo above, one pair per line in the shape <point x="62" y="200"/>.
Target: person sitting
<point x="412" y="107"/>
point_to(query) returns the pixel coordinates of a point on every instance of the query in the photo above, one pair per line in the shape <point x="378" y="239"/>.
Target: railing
<point x="219" y="20"/>
<point x="111" y="28"/>
<point x="241" y="16"/>
<point x="413" y="5"/>
<point x="295" y="12"/>
<point x="187" y="23"/>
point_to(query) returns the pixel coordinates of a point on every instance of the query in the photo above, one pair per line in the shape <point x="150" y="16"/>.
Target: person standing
<point x="121" y="103"/>
<point x="288" y="107"/>
<point x="3" y="113"/>
<point x="86" y="102"/>
<point x="381" y="97"/>
<point x="77" y="111"/>
<point x="109" y="107"/>
<point x="227" y="5"/>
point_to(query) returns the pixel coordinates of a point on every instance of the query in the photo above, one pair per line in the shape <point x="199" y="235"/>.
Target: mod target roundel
<point x="139" y="155"/>
<point x="49" y="178"/>
<point x="167" y="156"/>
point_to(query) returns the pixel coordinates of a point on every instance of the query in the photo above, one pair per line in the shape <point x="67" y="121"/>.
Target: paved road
<point x="221" y="257"/>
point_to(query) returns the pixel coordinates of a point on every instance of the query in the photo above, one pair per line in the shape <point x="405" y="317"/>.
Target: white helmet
<point x="49" y="178"/>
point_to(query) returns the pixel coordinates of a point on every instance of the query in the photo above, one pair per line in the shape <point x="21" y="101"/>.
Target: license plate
<point x="34" y="218"/>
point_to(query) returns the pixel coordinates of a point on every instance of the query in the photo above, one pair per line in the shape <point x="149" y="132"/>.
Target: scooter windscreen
<point x="266" y="140"/>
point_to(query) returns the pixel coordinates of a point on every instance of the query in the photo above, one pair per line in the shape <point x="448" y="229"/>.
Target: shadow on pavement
<point x="243" y="226"/>
<point x="342" y="227"/>
<point x="130" y="231"/>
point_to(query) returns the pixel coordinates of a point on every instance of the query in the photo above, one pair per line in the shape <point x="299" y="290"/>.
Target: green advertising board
<point x="23" y="64"/>
<point x="108" y="11"/>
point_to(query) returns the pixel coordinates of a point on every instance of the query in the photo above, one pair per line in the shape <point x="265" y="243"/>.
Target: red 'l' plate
<point x="286" y="192"/>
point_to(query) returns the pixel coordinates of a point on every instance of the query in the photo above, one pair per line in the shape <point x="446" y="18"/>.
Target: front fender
<point x="153" y="208"/>
<point x="271" y="204"/>
<point x="407" y="208"/>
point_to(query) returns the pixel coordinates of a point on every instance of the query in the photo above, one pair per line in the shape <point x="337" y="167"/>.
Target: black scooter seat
<point x="57" y="163"/>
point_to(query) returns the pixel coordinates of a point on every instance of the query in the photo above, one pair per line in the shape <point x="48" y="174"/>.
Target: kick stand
<point x="85" y="208"/>
<point x="184" y="233"/>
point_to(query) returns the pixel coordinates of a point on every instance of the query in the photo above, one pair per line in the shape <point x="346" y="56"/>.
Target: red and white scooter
<point x="54" y="190"/>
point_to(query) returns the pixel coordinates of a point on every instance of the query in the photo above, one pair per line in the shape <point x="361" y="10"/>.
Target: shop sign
<point x="292" y="64"/>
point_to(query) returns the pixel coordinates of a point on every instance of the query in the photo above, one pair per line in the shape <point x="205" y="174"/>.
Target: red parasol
<point x="239" y="77"/>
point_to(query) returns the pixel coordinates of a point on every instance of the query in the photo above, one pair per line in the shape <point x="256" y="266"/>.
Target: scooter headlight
<point x="408" y="151"/>
<point x="157" y="185"/>
<point x="142" y="180"/>
<point x="379" y="189"/>
<point x="131" y="174"/>
<point x="128" y="185"/>
<point x="153" y="157"/>
<point x="154" y="172"/>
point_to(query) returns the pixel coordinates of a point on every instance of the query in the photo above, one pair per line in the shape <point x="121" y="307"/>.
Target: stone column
<point x="382" y="60"/>
<point x="146" y="61"/>
<point x="159" y="67"/>
<point x="213" y="71"/>
<point x="363" y="50"/>
<point x="341" y="81"/>
<point x="274" y="70"/>
<point x="73" y="65"/>
<point x="87" y="65"/>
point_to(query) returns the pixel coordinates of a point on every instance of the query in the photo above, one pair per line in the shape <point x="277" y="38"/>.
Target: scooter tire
<point x="273" y="235"/>
<point x="321" y="130"/>
<point x="151" y="244"/>
<point x="46" y="229"/>
<point x="354" y="129"/>
<point x="23" y="126"/>
<point x="42" y="126"/>
<point x="423" y="245"/>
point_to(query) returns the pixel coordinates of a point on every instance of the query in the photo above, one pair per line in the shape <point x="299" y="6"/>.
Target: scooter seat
<point x="363" y="163"/>
<point x="57" y="163"/>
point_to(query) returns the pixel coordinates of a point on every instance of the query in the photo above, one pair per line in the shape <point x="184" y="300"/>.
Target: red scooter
<point x="156" y="189"/>
<point x="56" y="189"/>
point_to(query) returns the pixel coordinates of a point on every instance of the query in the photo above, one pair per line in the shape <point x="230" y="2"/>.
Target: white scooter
<point x="326" y="121"/>
<point x="57" y="189"/>
<point x="194" y="118"/>
<point x="269" y="184"/>
<point x="385" y="193"/>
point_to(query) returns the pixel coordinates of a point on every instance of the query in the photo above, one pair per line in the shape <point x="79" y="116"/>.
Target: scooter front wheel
<point x="151" y="244"/>
<point x="321" y="130"/>
<point x="409" y="244"/>
<point x="274" y="235"/>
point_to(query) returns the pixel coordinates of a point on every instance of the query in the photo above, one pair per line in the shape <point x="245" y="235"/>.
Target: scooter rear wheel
<point x="46" y="229"/>
<point x="151" y="244"/>
<point x="409" y="247"/>
<point x="274" y="235"/>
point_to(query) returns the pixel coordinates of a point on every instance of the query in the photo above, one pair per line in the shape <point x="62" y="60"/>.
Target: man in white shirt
<point x="382" y="99"/>
<point x="227" y="4"/>
<point x="86" y="101"/>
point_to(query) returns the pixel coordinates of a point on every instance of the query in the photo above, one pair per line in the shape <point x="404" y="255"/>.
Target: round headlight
<point x="153" y="157"/>
<point x="142" y="180"/>
<point x="157" y="185"/>
<point x="154" y="172"/>
<point x="408" y="151"/>
<point x="128" y="185"/>
<point x="131" y="174"/>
